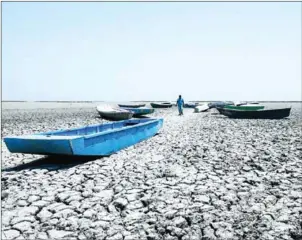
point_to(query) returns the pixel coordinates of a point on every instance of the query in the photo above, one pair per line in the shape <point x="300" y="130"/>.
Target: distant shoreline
<point x="6" y="105"/>
<point x="6" y="101"/>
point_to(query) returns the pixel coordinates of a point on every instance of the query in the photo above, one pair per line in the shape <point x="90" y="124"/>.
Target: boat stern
<point x="40" y="144"/>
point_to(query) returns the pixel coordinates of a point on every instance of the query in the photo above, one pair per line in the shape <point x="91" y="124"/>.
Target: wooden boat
<point x="248" y="107"/>
<point x="96" y="140"/>
<point x="115" y="114"/>
<point x="161" y="105"/>
<point x="140" y="111"/>
<point x="201" y="108"/>
<point x="256" y="114"/>
<point x="131" y="105"/>
<point x="190" y="105"/>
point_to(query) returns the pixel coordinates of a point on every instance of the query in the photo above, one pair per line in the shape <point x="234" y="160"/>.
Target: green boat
<point x="245" y="107"/>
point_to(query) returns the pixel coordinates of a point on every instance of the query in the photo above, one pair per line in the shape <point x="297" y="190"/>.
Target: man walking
<point x="180" y="104"/>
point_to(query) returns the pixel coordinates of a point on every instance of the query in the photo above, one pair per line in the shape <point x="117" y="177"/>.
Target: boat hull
<point x="113" y="137"/>
<point x="245" y="107"/>
<point x="131" y="105"/>
<point x="258" y="114"/>
<point x="201" y="108"/>
<point x="41" y="145"/>
<point x="140" y="111"/>
<point x="115" y="116"/>
<point x="161" y="105"/>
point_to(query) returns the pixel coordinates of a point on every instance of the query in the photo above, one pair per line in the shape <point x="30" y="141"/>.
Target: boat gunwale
<point x="161" y="105"/>
<point x="259" y="110"/>
<point x="74" y="137"/>
<point x="131" y="106"/>
<point x="112" y="111"/>
<point x="139" y="110"/>
<point x="121" y="129"/>
<point x="246" y="107"/>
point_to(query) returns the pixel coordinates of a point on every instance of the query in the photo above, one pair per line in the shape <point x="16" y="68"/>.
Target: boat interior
<point x="97" y="128"/>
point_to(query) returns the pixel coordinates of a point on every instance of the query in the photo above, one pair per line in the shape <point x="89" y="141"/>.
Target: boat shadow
<point x="215" y="113"/>
<point x="104" y="119"/>
<point x="53" y="163"/>
<point x="141" y="117"/>
<point x="219" y="116"/>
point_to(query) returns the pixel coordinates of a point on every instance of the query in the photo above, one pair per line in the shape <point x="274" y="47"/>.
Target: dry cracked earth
<point x="204" y="176"/>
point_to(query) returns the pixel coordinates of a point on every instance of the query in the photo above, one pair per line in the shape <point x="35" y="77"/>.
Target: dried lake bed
<point x="204" y="176"/>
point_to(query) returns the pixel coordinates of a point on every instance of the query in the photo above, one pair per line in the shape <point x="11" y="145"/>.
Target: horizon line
<point x="66" y="101"/>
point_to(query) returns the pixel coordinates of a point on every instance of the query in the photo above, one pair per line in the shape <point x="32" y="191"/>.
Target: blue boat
<point x="95" y="140"/>
<point x="140" y="111"/>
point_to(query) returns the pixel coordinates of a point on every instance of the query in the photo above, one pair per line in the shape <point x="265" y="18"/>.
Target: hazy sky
<point x="151" y="51"/>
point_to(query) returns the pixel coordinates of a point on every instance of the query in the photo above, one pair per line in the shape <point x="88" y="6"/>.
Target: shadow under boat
<point x="141" y="116"/>
<point x="53" y="163"/>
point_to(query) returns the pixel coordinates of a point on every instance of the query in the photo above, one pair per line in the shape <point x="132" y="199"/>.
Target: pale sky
<point x="98" y="51"/>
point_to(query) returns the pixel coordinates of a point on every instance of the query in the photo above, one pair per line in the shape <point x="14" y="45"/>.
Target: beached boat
<point x="161" y="105"/>
<point x="219" y="104"/>
<point x="140" y="111"/>
<point x="190" y="105"/>
<point x="96" y="140"/>
<point x="201" y="108"/>
<point x="229" y="103"/>
<point x="131" y="105"/>
<point x="248" y="107"/>
<point x="256" y="114"/>
<point x="240" y="103"/>
<point x="115" y="114"/>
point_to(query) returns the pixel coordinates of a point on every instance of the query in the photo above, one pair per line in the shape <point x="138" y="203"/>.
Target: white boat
<point x="240" y="103"/>
<point x="201" y="108"/>
<point x="116" y="114"/>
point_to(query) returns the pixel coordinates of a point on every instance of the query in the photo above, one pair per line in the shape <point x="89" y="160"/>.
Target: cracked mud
<point x="203" y="176"/>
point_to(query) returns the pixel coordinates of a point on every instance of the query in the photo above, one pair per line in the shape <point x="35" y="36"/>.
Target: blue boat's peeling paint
<point x="95" y="140"/>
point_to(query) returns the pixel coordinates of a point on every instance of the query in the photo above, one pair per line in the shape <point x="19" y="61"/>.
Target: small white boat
<point x="201" y="108"/>
<point x="116" y="114"/>
<point x="240" y="103"/>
